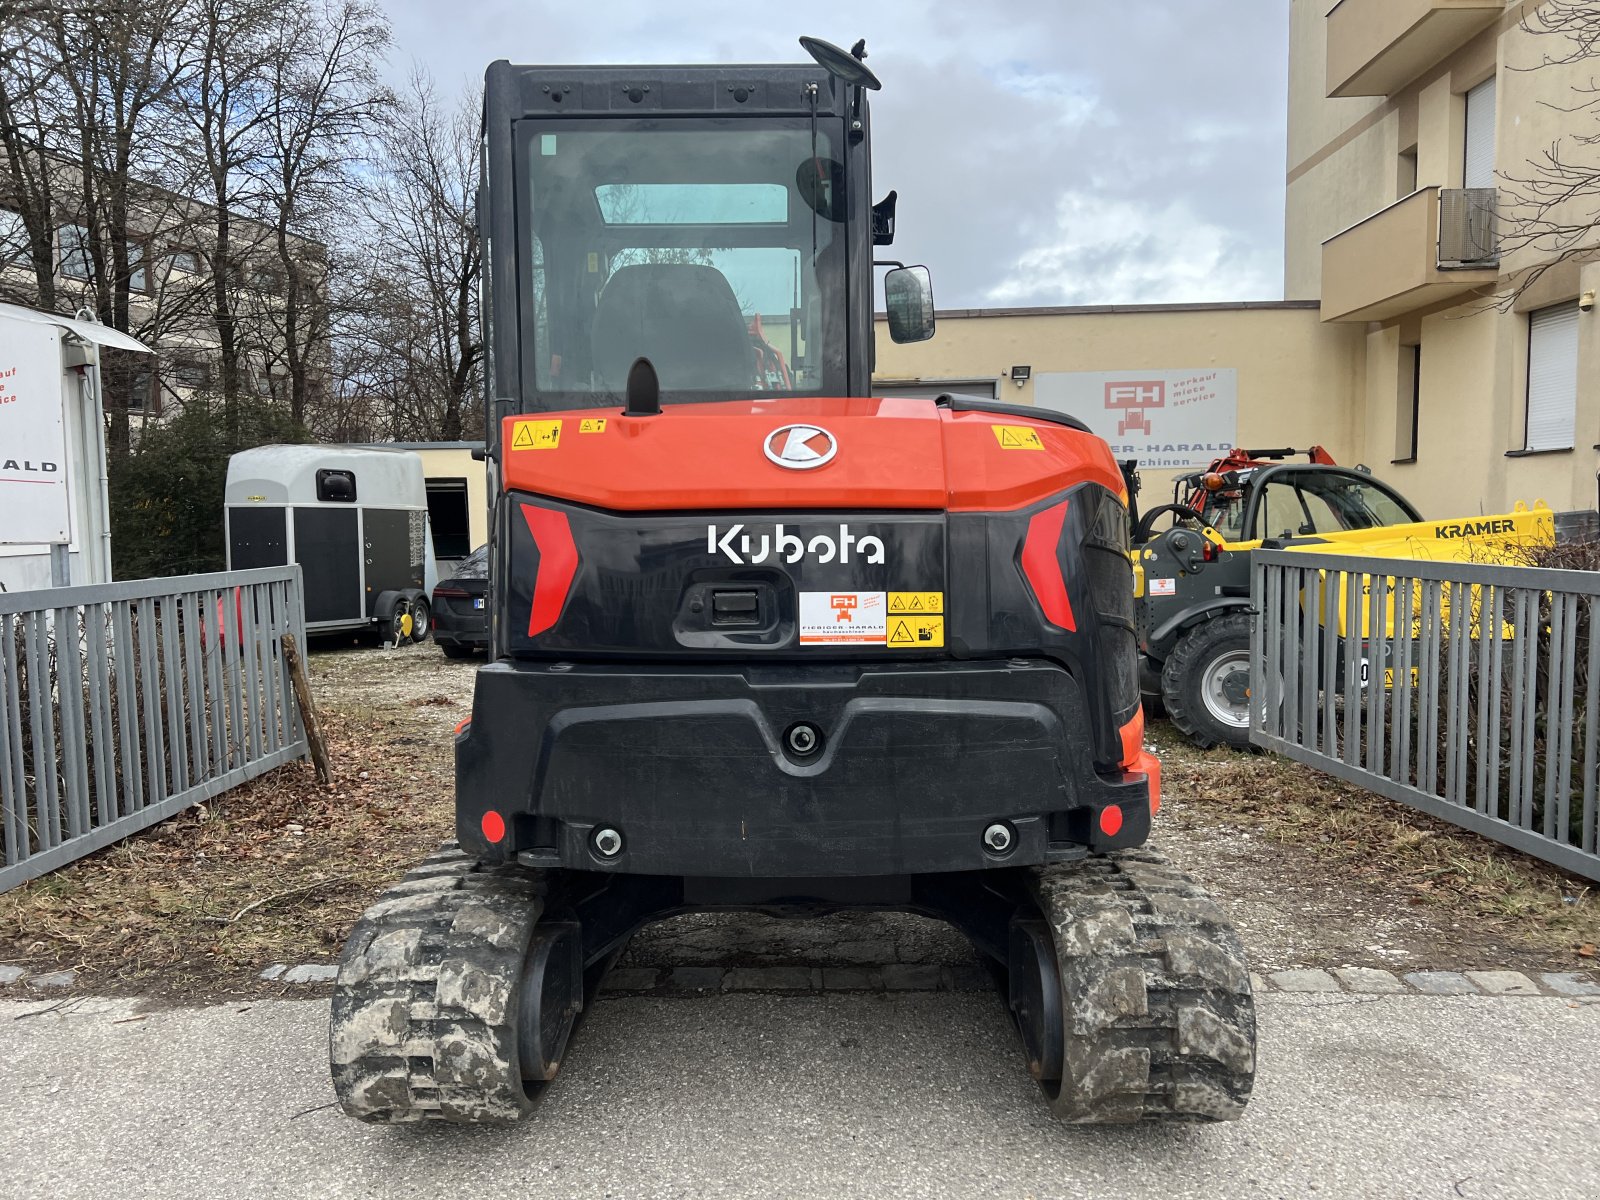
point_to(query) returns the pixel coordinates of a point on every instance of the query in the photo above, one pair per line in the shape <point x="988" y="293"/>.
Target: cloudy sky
<point x="1045" y="151"/>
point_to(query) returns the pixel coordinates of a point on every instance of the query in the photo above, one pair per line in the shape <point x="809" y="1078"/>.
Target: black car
<point x="460" y="624"/>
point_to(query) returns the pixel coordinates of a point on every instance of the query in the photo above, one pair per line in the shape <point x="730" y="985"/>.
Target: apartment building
<point x="171" y="291"/>
<point x="1413" y="125"/>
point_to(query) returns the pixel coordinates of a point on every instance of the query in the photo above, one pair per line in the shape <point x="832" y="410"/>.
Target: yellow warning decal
<point x="916" y="633"/>
<point x="592" y="425"/>
<point x="535" y="435"/>
<point x="1017" y="437"/>
<point x="916" y="602"/>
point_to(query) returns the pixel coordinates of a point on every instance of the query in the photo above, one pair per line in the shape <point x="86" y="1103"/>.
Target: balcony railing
<point x="1395" y="262"/>
<point x="1376" y="47"/>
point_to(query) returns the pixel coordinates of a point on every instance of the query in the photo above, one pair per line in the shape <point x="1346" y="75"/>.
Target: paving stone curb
<point x="906" y="977"/>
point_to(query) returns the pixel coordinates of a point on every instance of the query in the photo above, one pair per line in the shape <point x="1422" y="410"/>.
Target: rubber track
<point x="1156" y="997"/>
<point x="424" y="1007"/>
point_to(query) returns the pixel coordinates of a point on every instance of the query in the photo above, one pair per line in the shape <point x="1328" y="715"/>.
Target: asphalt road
<point x="879" y="1096"/>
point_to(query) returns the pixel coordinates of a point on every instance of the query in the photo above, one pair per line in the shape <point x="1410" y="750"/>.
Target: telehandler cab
<point x="762" y="641"/>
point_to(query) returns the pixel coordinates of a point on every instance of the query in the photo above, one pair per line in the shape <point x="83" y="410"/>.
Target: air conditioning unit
<point x="1468" y="230"/>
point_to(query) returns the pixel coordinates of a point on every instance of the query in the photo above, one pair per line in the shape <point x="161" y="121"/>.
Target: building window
<point x="1552" y="377"/>
<point x="186" y="261"/>
<point x="138" y="277"/>
<point x="74" y="251"/>
<point x="264" y="387"/>
<point x="264" y="280"/>
<point x="13" y="240"/>
<point x="144" y="396"/>
<point x="1478" y="163"/>
<point x="189" y="375"/>
<point x="1408" y="404"/>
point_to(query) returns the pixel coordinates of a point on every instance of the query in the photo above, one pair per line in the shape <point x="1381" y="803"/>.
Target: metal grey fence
<point x="1462" y="689"/>
<point x="123" y="703"/>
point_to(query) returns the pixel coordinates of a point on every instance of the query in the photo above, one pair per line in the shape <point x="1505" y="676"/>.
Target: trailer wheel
<point x="1205" y="683"/>
<point x="421" y="619"/>
<point x="396" y="626"/>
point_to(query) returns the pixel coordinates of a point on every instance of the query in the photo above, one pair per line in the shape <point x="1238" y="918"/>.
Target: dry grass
<point x="276" y="871"/>
<point x="1377" y="842"/>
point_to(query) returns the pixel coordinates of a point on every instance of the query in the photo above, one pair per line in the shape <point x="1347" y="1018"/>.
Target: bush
<point x="166" y="496"/>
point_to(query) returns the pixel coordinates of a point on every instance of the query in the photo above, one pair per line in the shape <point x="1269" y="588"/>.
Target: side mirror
<point x="908" y="295"/>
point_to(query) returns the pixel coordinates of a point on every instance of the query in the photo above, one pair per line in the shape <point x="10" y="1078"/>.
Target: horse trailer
<point x="355" y="519"/>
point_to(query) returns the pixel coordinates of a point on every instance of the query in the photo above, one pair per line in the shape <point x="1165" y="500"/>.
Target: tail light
<point x="1041" y="565"/>
<point x="558" y="564"/>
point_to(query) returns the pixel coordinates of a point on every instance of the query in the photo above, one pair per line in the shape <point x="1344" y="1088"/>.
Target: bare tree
<point x="328" y="100"/>
<point x="117" y="69"/>
<point x="26" y="127"/>
<point x="416" y="337"/>
<point x="1550" y="207"/>
<point x="226" y="109"/>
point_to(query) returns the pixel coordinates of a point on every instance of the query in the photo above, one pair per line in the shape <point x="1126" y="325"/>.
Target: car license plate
<point x="477" y="602"/>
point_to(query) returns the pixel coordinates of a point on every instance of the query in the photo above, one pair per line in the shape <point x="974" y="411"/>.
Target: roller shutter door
<point x="1552" y="377"/>
<point x="1479" y="171"/>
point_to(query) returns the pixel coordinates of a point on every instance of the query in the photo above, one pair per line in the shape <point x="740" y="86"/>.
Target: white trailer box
<point x="356" y="520"/>
<point x="53" y="450"/>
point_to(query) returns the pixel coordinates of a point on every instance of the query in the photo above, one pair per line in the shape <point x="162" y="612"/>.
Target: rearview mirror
<point x="908" y="295"/>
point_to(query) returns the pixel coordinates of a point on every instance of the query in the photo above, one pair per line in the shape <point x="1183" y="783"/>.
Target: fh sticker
<point x="843" y="618"/>
<point x="746" y="547"/>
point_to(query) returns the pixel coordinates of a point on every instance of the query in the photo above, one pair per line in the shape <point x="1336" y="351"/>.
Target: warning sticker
<point x="916" y="633"/>
<point x="535" y="435"/>
<point x="1017" y="437"/>
<point x="592" y="425"/>
<point x="843" y="618"/>
<point x="916" y="602"/>
<point x="1163" y="587"/>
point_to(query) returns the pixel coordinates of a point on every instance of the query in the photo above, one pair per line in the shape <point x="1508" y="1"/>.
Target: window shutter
<point x="1479" y="170"/>
<point x="1552" y="377"/>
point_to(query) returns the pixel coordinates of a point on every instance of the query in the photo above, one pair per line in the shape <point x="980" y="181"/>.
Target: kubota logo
<point x="780" y="545"/>
<point x="800" y="447"/>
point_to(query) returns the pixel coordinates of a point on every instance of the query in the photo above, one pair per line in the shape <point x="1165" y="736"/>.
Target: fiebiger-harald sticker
<point x="843" y="618"/>
<point x="535" y="435"/>
<point x="1163" y="587"/>
<point x="899" y="620"/>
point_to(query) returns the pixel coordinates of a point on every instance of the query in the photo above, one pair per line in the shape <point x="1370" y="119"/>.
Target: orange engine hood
<point x="893" y="453"/>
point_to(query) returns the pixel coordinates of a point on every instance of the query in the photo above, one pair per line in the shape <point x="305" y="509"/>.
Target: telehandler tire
<point x="1205" y="683"/>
